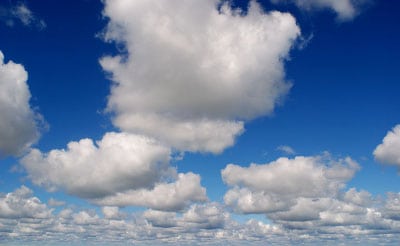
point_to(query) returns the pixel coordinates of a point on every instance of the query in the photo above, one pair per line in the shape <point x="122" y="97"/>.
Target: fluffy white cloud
<point x="121" y="169"/>
<point x="389" y="150"/>
<point x="193" y="73"/>
<point x="21" y="204"/>
<point x="276" y="187"/>
<point x="306" y="193"/>
<point x="20" y="13"/>
<point x="118" y="162"/>
<point x="18" y="128"/>
<point x="112" y="213"/>
<point x="297" y="177"/>
<point x="345" y="9"/>
<point x="164" y="196"/>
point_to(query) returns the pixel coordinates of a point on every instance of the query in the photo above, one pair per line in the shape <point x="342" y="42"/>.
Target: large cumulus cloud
<point x="18" y="127"/>
<point x="193" y="73"/>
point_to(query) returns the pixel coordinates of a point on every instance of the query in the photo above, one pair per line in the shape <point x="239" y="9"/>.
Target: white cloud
<point x="112" y="213"/>
<point x="31" y="221"/>
<point x="300" y="176"/>
<point x="193" y="74"/>
<point x="18" y="127"/>
<point x="21" y="204"/>
<point x="118" y="162"/>
<point x="389" y="150"/>
<point x="120" y="170"/>
<point x="21" y="13"/>
<point x="171" y="196"/>
<point x="345" y="9"/>
<point x="306" y="196"/>
<point x="286" y="149"/>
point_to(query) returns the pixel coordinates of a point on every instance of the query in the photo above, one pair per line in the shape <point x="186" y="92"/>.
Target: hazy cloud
<point x="286" y="149"/>
<point x="344" y="9"/>
<point x="20" y="13"/>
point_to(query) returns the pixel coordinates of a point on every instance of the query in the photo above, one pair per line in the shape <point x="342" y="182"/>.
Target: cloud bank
<point x="354" y="219"/>
<point x="18" y="122"/>
<point x="191" y="73"/>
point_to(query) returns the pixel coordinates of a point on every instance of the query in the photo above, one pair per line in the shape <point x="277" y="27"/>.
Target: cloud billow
<point x="18" y="121"/>
<point x="193" y="74"/>
<point x="389" y="150"/>
<point x="121" y="169"/>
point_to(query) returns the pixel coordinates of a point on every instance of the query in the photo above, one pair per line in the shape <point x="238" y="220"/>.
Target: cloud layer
<point x="389" y="150"/>
<point x="192" y="73"/>
<point x="18" y="128"/>
<point x="354" y="220"/>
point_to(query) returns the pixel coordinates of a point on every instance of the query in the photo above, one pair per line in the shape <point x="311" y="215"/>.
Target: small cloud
<point x="20" y="12"/>
<point x="286" y="149"/>
<point x="388" y="151"/>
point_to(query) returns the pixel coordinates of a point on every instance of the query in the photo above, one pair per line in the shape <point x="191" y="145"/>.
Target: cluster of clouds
<point x="356" y="217"/>
<point x="176" y="88"/>
<point x="191" y="75"/>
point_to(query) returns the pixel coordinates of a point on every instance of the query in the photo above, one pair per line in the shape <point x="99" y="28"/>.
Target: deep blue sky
<point x="344" y="99"/>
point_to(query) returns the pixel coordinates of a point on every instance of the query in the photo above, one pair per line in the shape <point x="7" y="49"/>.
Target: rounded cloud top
<point x="193" y="72"/>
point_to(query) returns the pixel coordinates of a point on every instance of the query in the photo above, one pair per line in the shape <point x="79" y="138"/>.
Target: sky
<point x="194" y="122"/>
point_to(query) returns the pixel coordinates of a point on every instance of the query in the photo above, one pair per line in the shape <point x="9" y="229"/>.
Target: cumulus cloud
<point x="118" y="162"/>
<point x="18" y="122"/>
<point x="171" y="196"/>
<point x="389" y="150"/>
<point x="300" y="176"/>
<point x="306" y="193"/>
<point x="20" y="13"/>
<point x="21" y="204"/>
<point x="193" y="73"/>
<point x="119" y="170"/>
<point x="345" y="9"/>
<point x="295" y="191"/>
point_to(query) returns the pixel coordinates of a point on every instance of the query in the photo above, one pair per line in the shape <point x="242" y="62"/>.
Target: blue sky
<point x="199" y="122"/>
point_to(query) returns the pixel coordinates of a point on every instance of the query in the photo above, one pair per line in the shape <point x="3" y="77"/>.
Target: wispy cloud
<point x="20" y="13"/>
<point x="345" y="9"/>
<point x="286" y="149"/>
